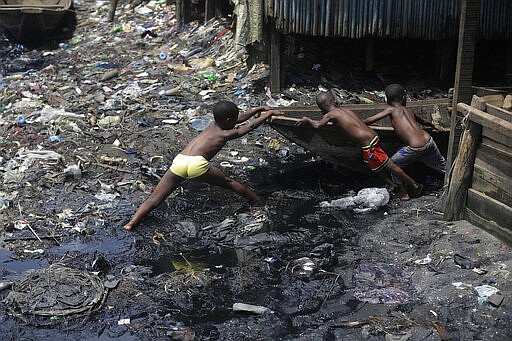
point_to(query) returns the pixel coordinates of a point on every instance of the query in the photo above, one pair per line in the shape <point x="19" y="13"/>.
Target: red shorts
<point x="374" y="156"/>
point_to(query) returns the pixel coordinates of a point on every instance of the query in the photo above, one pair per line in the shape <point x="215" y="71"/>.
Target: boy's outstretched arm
<point x="377" y="117"/>
<point x="315" y="124"/>
<point x="420" y="120"/>
<point x="251" y="112"/>
<point x="240" y="131"/>
<point x="167" y="184"/>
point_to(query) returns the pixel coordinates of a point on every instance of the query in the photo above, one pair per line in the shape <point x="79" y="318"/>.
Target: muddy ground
<point x="398" y="273"/>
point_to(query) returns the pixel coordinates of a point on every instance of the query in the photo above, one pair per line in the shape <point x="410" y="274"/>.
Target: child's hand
<point x="303" y="121"/>
<point x="276" y="113"/>
<point x="264" y="108"/>
<point x="439" y="128"/>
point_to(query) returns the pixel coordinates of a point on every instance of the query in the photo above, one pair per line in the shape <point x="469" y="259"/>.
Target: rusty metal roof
<point x="423" y="19"/>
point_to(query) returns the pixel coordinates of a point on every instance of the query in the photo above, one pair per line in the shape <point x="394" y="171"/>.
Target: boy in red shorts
<point x="358" y="131"/>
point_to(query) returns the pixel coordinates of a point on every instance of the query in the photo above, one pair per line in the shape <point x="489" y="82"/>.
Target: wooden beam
<point x="490" y="209"/>
<point x="499" y="112"/>
<point x="462" y="173"/>
<point x="468" y="30"/>
<point x="496" y="124"/>
<point x="492" y="185"/>
<point x="489" y="226"/>
<point x="275" y="59"/>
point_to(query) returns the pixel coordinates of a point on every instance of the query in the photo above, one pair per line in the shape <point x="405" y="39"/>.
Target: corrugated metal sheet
<point x="423" y="19"/>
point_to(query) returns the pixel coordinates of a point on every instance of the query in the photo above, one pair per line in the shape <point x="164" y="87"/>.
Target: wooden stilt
<point x="468" y="30"/>
<point x="275" y="59"/>
<point x="112" y="13"/>
<point x="462" y="173"/>
<point x="209" y="9"/>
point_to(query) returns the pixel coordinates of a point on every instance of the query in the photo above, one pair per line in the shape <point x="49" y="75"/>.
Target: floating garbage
<point x="249" y="308"/>
<point x="56" y="291"/>
<point x="366" y="200"/>
<point x="199" y="123"/>
<point x="484" y="292"/>
<point x="382" y="283"/>
<point x="108" y="121"/>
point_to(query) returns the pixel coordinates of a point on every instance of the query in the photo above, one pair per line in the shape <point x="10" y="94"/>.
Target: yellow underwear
<point x="189" y="166"/>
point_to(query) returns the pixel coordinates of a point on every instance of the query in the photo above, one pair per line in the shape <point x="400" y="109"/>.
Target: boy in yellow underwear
<point x="193" y="161"/>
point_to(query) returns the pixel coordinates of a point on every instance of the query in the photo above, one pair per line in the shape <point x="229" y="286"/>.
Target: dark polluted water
<point x="183" y="268"/>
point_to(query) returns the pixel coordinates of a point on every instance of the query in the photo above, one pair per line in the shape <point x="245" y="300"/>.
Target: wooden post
<point x="468" y="30"/>
<point x="275" y="59"/>
<point x="462" y="173"/>
<point x="209" y="10"/>
<point x="181" y="12"/>
<point x="112" y="13"/>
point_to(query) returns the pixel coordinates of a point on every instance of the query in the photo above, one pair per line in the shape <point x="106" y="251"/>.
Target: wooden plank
<point x="498" y="112"/>
<point x="490" y="167"/>
<point x="497" y="124"/>
<point x="496" y="145"/>
<point x="503" y="139"/>
<point x="490" y="209"/>
<point x="489" y="226"/>
<point x="495" y="100"/>
<point x="495" y="186"/>
<point x="495" y="157"/>
<point x="484" y="91"/>
<point x="461" y="175"/>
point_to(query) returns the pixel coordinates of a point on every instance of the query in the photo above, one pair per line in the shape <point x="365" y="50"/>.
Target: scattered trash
<point x="73" y="171"/>
<point x="484" y="292"/>
<point x="199" y="124"/>
<point x="382" y="283"/>
<point x="304" y="267"/>
<point x="495" y="300"/>
<point x="249" y="308"/>
<point x="463" y="262"/>
<point x="123" y="322"/>
<point x="57" y="290"/>
<point x="366" y="200"/>
<point x="424" y="261"/>
<point x="109" y="121"/>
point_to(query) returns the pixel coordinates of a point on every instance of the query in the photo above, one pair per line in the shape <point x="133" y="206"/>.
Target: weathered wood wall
<point x="486" y="193"/>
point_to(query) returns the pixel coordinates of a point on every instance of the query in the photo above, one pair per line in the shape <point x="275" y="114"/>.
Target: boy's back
<point x="407" y="128"/>
<point x="352" y="125"/>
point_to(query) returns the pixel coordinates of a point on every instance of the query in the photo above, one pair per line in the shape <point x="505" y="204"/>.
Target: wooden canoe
<point x="331" y="144"/>
<point x="36" y="21"/>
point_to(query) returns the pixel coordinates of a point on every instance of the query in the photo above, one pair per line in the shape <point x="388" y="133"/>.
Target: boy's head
<point x="325" y="101"/>
<point x="395" y="93"/>
<point x="225" y="114"/>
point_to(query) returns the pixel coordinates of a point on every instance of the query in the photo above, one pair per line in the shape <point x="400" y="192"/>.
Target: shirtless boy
<point x="193" y="161"/>
<point x="356" y="130"/>
<point x="419" y="144"/>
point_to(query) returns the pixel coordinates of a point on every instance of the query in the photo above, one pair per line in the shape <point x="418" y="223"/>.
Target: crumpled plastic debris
<point x="382" y="283"/>
<point x="366" y="200"/>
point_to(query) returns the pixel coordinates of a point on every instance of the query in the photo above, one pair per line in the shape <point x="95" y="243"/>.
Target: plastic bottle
<point x="162" y="55"/>
<point x="20" y="120"/>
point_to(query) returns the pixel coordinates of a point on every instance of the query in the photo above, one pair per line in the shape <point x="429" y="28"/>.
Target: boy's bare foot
<point x="405" y="197"/>
<point x="416" y="192"/>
